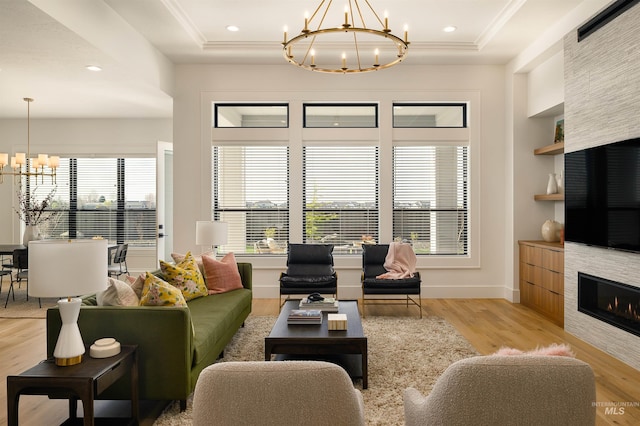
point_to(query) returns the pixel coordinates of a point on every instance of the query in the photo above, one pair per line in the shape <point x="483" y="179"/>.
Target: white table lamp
<point x="211" y="233"/>
<point x="67" y="268"/>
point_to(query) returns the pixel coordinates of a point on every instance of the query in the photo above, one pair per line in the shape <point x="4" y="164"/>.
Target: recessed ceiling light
<point x="233" y="28"/>
<point x="449" y="29"/>
<point x="93" y="68"/>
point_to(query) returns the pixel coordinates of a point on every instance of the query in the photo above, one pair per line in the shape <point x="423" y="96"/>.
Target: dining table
<point x="6" y="249"/>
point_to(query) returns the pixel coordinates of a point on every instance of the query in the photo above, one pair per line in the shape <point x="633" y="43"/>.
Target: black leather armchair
<point x="373" y="257"/>
<point x="309" y="270"/>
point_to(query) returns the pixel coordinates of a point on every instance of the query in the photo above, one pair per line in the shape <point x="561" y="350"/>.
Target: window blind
<point x="251" y="193"/>
<point x="430" y="198"/>
<point x="340" y="199"/>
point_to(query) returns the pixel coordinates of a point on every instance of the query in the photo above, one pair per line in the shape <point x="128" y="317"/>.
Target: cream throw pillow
<point x="118" y="293"/>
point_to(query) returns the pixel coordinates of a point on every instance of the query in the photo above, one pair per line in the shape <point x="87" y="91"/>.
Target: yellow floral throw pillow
<point x="157" y="292"/>
<point x="186" y="276"/>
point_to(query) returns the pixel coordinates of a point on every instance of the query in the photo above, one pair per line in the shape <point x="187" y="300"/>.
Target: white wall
<point x="545" y="85"/>
<point x="77" y="137"/>
<point x="196" y="84"/>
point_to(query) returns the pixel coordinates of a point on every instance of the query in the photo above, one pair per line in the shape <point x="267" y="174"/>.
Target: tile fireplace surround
<point x="613" y="265"/>
<point x="602" y="95"/>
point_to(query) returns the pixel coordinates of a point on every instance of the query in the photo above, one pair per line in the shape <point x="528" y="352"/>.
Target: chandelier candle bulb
<point x="344" y="61"/>
<point x="306" y="22"/>
<point x="406" y="34"/>
<point x="386" y="21"/>
<point x="377" y="53"/>
<point x="346" y="16"/>
<point x="43" y="159"/>
<point x="285" y="35"/>
<point x="313" y="58"/>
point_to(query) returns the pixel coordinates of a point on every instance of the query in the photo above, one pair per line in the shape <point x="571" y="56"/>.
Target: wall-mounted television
<point x="602" y="196"/>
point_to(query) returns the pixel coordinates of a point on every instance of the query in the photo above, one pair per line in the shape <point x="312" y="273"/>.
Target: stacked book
<point x="305" y="316"/>
<point x="329" y="304"/>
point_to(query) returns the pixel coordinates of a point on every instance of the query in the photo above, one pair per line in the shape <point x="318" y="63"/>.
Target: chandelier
<point x="351" y="47"/>
<point x="32" y="166"/>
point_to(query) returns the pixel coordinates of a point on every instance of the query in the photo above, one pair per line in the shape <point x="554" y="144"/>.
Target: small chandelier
<point x="32" y="166"/>
<point x="351" y="47"/>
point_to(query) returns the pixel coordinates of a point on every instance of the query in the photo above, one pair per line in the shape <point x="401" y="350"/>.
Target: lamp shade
<point x="65" y="268"/>
<point x="211" y="233"/>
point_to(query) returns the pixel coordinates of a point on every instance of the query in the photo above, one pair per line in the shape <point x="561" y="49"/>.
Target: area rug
<point x="21" y="307"/>
<point x="403" y="352"/>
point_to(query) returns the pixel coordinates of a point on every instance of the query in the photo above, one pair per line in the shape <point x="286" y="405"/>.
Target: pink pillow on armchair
<point x="551" y="350"/>
<point x="221" y="275"/>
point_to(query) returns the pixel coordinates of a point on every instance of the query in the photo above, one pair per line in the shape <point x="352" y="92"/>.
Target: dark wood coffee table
<point x="308" y="341"/>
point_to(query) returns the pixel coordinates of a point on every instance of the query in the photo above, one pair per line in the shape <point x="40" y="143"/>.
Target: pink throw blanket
<point x="400" y="262"/>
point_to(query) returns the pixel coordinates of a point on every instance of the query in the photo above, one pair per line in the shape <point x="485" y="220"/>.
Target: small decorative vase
<point x="551" y="231"/>
<point x="552" y="184"/>
<point x="31" y="233"/>
<point x="560" y="183"/>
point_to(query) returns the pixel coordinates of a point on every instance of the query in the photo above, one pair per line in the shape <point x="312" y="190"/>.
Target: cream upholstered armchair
<point x="270" y="393"/>
<point x="507" y="390"/>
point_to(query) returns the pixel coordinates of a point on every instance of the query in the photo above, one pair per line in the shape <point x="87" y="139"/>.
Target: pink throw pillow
<point x="221" y="276"/>
<point x="552" y="350"/>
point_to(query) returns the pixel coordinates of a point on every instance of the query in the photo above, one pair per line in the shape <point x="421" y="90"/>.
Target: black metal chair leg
<point x="8" y="293"/>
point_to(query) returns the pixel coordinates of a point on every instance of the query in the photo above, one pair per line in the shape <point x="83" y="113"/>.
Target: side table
<point x="83" y="382"/>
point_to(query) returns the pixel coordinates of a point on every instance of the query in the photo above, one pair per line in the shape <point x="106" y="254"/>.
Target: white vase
<point x="552" y="184"/>
<point x="560" y="182"/>
<point x="551" y="231"/>
<point x="31" y="233"/>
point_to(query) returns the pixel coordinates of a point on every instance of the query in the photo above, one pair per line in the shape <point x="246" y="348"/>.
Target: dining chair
<point x="118" y="265"/>
<point x="21" y="266"/>
<point x="3" y="273"/>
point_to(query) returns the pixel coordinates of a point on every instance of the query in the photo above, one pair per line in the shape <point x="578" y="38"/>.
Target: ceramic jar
<point x="551" y="231"/>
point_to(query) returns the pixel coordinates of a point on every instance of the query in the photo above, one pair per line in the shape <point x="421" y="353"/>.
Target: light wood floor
<point x="487" y="324"/>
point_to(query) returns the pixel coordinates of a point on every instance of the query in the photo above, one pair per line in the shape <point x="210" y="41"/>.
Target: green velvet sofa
<point x="174" y="343"/>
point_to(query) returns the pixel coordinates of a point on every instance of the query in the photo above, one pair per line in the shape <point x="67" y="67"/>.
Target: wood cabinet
<point x="542" y="278"/>
<point x="553" y="149"/>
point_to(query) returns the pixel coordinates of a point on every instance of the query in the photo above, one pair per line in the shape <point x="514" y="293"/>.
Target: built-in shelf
<point x="553" y="149"/>
<point x="549" y="197"/>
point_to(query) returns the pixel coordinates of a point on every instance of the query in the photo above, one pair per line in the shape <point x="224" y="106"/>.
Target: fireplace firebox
<point x="613" y="302"/>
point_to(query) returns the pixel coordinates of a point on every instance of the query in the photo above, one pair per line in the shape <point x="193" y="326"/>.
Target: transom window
<point x="427" y="115"/>
<point x="340" y="115"/>
<point x="251" y="115"/>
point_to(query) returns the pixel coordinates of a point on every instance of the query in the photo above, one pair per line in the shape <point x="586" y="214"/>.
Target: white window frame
<point x="385" y="136"/>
